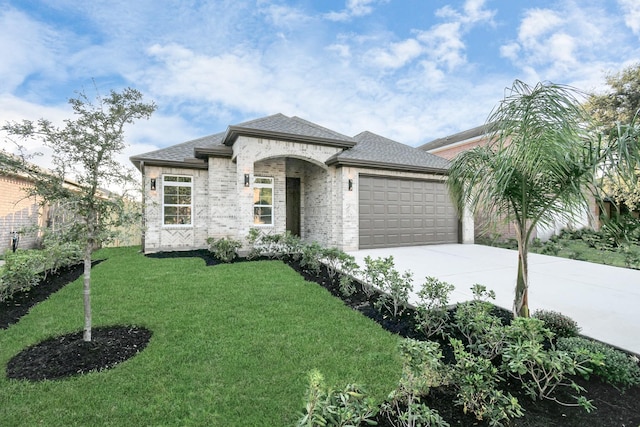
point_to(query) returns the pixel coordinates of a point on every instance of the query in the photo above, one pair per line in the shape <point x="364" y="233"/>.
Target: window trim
<point x="177" y="184"/>
<point x="270" y="185"/>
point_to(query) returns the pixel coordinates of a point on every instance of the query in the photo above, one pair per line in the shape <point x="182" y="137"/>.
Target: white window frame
<point x="166" y="184"/>
<point x="270" y="185"/>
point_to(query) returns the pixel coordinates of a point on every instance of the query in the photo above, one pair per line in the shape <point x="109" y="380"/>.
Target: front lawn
<point x="232" y="345"/>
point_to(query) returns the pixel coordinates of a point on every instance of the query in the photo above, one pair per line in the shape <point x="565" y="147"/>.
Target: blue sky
<point x="411" y="70"/>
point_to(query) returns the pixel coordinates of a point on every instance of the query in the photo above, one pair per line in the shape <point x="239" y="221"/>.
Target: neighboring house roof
<point x="465" y="135"/>
<point x="365" y="149"/>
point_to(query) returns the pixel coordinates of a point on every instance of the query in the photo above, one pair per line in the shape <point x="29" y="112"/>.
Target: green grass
<point x="232" y="346"/>
<point x="573" y="249"/>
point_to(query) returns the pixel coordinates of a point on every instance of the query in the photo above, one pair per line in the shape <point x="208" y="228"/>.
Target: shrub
<point x="617" y="368"/>
<point x="21" y="272"/>
<point x="476" y="380"/>
<point x="395" y="287"/>
<point x="422" y="369"/>
<point x="61" y="254"/>
<point x="431" y="310"/>
<point x="552" y="247"/>
<point x="484" y="332"/>
<point x="276" y="246"/>
<point x="225" y="249"/>
<point x="631" y="255"/>
<point x="326" y="407"/>
<point x="558" y="323"/>
<point x="310" y="260"/>
<point x="542" y="371"/>
<point x="340" y="263"/>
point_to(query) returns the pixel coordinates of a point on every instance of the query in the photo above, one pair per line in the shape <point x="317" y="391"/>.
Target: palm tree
<point x="537" y="167"/>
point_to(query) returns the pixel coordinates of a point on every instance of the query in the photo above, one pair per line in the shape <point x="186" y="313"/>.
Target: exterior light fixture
<point x="350" y="184"/>
<point x="246" y="179"/>
<point x="153" y="184"/>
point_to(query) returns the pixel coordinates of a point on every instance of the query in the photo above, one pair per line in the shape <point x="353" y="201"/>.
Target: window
<point x="177" y="201"/>
<point x="263" y="201"/>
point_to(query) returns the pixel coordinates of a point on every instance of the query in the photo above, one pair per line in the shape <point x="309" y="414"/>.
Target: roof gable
<point x="279" y="126"/>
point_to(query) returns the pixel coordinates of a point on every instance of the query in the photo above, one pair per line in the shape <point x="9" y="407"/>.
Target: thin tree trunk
<point x="87" y="292"/>
<point x="521" y="301"/>
<point x="88" y="249"/>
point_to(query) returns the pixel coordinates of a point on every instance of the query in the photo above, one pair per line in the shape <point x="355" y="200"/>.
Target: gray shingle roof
<point x="365" y="149"/>
<point x="179" y="152"/>
<point x="379" y="151"/>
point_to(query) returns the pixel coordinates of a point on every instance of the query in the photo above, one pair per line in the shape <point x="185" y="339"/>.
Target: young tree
<point x="540" y="163"/>
<point x="85" y="150"/>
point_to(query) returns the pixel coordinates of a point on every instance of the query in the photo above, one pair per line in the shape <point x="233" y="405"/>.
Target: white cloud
<point x="631" y="10"/>
<point x="354" y="8"/>
<point x="29" y="48"/>
<point x="569" y="43"/>
<point x="397" y="55"/>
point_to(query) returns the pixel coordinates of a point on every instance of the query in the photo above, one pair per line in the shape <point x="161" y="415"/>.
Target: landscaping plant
<point x="225" y="249"/>
<point x="477" y="381"/>
<point x="432" y="313"/>
<point x="336" y="408"/>
<point x="613" y="366"/>
<point x="422" y="369"/>
<point x="86" y="150"/>
<point x="561" y="325"/>
<point x="483" y="332"/>
<point x="395" y="287"/>
<point x="542" y="371"/>
<point x="542" y="159"/>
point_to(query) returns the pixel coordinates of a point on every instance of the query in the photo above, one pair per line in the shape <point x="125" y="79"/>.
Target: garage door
<point x="402" y="212"/>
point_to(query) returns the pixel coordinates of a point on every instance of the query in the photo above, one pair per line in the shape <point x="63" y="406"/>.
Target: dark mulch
<point x="17" y="306"/>
<point x="68" y="355"/>
<point x="204" y="254"/>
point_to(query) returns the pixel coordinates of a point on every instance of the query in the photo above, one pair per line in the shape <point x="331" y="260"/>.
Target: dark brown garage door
<point x="402" y="212"/>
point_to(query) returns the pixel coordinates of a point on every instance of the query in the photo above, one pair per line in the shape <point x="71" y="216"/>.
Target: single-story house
<point x="281" y="173"/>
<point x="486" y="224"/>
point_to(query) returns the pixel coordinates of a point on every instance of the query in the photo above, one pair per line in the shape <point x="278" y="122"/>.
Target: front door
<point x="293" y="206"/>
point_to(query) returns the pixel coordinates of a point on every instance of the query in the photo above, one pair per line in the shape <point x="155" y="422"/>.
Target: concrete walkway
<point x="604" y="300"/>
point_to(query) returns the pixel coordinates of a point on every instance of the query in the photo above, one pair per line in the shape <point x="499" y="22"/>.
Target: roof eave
<point x="221" y="151"/>
<point x="186" y="163"/>
<point x="334" y="161"/>
<point x="233" y="132"/>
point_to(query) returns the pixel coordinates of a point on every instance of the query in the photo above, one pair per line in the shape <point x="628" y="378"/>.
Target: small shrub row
<point x="24" y="269"/>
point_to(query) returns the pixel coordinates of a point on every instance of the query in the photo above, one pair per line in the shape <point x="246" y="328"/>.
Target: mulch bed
<point x="67" y="355"/>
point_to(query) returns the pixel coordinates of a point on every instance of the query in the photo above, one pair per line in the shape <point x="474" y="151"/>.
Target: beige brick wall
<point x="17" y="211"/>
<point x="171" y="238"/>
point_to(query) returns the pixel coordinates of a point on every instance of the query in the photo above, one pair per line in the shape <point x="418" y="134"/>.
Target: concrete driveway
<point x="604" y="300"/>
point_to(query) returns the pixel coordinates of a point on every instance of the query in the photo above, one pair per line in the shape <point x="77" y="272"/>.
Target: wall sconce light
<point x="350" y="184"/>
<point x="153" y="184"/>
<point x="246" y="179"/>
